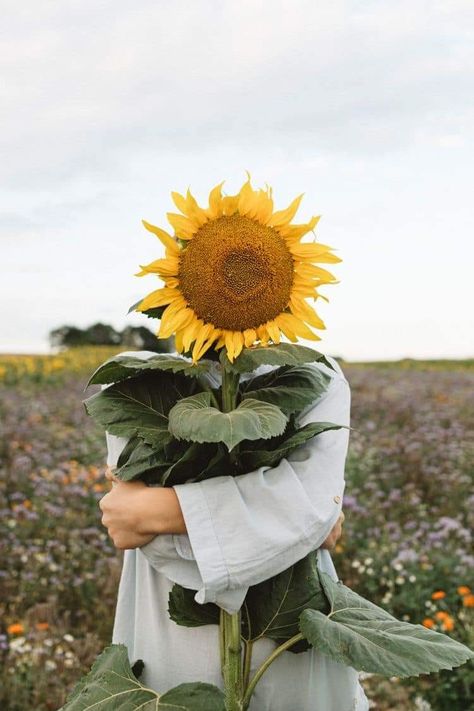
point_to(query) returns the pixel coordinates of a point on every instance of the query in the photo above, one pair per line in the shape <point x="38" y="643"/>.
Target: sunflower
<point x="236" y="273"/>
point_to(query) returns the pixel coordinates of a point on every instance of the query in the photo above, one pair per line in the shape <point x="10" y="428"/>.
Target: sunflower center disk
<point x="236" y="273"/>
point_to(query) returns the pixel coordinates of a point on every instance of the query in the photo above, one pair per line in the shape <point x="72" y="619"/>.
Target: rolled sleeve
<point x="248" y="528"/>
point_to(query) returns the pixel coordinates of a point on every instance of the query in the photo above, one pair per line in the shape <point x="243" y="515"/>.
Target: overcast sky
<point x="367" y="107"/>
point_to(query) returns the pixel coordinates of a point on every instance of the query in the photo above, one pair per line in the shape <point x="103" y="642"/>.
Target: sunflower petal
<point x="295" y="232"/>
<point x="201" y="337"/>
<point x="273" y="331"/>
<point x="164" y="267"/>
<point x="290" y="323"/>
<point x="215" y="201"/>
<point x="180" y="202"/>
<point x="312" y="251"/>
<point x="250" y="336"/>
<point x="168" y="241"/>
<point x="284" y="217"/>
<point x="190" y="332"/>
<point x="160" y="297"/>
<point x="208" y="343"/>
<point x="230" y="204"/>
<point x="229" y="344"/>
<point x="174" y="319"/>
<point x="311" y="270"/>
<point x="183" y="226"/>
<point x="238" y="343"/>
<point x="303" y="311"/>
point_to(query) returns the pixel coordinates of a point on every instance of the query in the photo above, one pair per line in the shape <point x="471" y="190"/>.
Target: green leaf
<point x="250" y="459"/>
<point x="360" y="634"/>
<point x="140" y="406"/>
<point x="272" y="608"/>
<point x="190" y="465"/>
<point x="184" y="610"/>
<point x="112" y="686"/>
<point x="120" y="367"/>
<point x="140" y="460"/>
<point x="281" y="354"/>
<point x="292" y="389"/>
<point x="194" y="419"/>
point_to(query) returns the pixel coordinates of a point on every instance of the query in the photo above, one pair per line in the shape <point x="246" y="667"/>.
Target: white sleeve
<point x="248" y="528"/>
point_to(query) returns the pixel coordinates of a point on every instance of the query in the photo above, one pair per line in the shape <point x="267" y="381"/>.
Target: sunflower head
<point x="236" y="273"/>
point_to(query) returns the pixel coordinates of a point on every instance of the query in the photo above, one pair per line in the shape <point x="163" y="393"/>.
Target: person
<point x="220" y="536"/>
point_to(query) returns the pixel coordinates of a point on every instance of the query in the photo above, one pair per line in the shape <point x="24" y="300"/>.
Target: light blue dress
<point x="242" y="530"/>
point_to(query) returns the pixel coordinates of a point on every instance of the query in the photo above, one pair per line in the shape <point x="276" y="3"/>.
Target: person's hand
<point x="134" y="513"/>
<point x="336" y="533"/>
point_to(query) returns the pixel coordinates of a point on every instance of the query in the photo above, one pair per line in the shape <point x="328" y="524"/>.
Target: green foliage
<point x="185" y="611"/>
<point x="112" y="686"/>
<point x="283" y="354"/>
<point x="272" y="608"/>
<point x="121" y="367"/>
<point x="254" y="455"/>
<point x="194" y="419"/>
<point x="140" y="406"/>
<point x="292" y="389"/>
<point x="362" y="635"/>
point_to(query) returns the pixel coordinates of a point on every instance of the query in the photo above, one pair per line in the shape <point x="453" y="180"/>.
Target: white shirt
<point x="242" y="530"/>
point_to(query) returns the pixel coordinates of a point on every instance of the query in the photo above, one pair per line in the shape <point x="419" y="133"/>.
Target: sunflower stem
<point x="230" y="625"/>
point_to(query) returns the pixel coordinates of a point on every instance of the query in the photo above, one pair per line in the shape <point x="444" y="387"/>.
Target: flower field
<point x="407" y="542"/>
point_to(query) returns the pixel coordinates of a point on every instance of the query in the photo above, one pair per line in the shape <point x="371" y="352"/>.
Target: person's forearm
<point x="163" y="513"/>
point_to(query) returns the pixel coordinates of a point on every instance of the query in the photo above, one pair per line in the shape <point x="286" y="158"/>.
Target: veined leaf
<point x="120" y="367"/>
<point x="184" y="610"/>
<point x="272" y="608"/>
<point x="292" y="389"/>
<point x="250" y="459"/>
<point x="281" y="354"/>
<point x="139" y="459"/>
<point x="194" y="419"/>
<point x="140" y="406"/>
<point x="112" y="686"/>
<point x="363" y="636"/>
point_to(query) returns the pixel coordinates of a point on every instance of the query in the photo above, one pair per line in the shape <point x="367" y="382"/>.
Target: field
<point x="407" y="542"/>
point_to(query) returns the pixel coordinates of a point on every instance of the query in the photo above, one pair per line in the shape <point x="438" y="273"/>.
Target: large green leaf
<point x="120" y="367"/>
<point x="194" y="419"/>
<point x="272" y="608"/>
<point x="112" y="686"/>
<point x="140" y="406"/>
<point x="185" y="611"/>
<point x="281" y="354"/>
<point x="141" y="460"/>
<point x="251" y="458"/>
<point x="292" y="389"/>
<point x="361" y="635"/>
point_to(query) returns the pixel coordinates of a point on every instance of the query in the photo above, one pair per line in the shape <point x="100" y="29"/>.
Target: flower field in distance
<point x="407" y="537"/>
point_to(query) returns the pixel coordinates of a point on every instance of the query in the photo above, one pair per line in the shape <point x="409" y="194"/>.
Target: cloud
<point x="88" y="85"/>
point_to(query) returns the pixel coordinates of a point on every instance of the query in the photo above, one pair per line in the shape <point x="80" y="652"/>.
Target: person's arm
<point x="248" y="528"/>
<point x="255" y="525"/>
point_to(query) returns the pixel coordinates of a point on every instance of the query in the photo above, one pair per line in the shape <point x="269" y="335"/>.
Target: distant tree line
<point x="102" y="334"/>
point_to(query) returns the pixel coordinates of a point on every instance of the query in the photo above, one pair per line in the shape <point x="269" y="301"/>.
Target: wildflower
<point x="448" y="624"/>
<point x="464" y="590"/>
<point x="438" y="595"/>
<point x="441" y="615"/>
<point x="468" y="601"/>
<point x="42" y="626"/>
<point x="15" y="628"/>
<point x="428" y="622"/>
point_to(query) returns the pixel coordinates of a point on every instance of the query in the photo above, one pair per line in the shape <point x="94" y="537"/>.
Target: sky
<point x="365" y="106"/>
